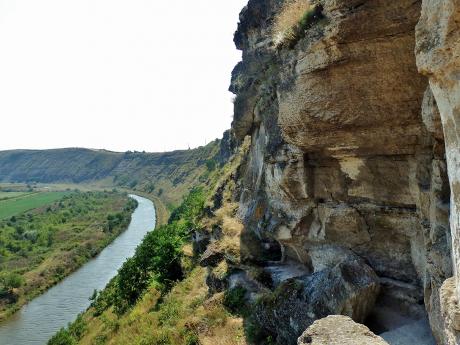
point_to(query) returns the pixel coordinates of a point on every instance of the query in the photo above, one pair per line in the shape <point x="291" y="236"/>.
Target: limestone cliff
<point x="438" y="57"/>
<point x="347" y="161"/>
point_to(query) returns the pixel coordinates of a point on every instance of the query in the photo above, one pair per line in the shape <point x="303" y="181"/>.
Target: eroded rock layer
<point x="346" y="155"/>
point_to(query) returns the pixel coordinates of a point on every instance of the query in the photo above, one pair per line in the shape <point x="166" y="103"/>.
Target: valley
<point x="44" y="236"/>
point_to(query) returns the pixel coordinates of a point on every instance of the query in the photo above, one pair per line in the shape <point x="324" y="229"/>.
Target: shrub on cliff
<point x="292" y="20"/>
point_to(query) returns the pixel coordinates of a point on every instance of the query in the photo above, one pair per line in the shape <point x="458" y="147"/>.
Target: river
<point x="37" y="321"/>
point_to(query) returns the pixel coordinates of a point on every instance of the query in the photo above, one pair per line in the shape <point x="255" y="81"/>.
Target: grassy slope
<point x="24" y="202"/>
<point x="187" y="314"/>
<point x="46" y="244"/>
<point x="186" y="310"/>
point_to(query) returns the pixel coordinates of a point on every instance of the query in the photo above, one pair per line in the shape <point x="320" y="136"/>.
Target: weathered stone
<point x="450" y="309"/>
<point x="438" y="52"/>
<point x="347" y="148"/>
<point x="212" y="256"/>
<point x="200" y="240"/>
<point x="349" y="288"/>
<point x="339" y="330"/>
<point x="351" y="90"/>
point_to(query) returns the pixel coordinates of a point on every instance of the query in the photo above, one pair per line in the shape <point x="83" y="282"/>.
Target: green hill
<point x="168" y="175"/>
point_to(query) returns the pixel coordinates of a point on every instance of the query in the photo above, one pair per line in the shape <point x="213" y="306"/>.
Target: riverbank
<point x="42" y="246"/>
<point x="161" y="210"/>
<point x="45" y="315"/>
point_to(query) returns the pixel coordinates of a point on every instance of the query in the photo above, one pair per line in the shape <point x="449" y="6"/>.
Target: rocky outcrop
<point x="348" y="288"/>
<point x="347" y="159"/>
<point x="347" y="148"/>
<point x="339" y="330"/>
<point x="349" y="170"/>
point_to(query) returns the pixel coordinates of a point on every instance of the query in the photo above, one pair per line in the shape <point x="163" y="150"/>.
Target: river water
<point x="37" y="322"/>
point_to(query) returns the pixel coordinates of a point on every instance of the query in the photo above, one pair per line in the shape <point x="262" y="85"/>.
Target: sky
<point x="120" y="75"/>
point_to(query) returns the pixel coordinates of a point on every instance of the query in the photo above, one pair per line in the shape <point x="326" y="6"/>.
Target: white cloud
<point x="115" y="74"/>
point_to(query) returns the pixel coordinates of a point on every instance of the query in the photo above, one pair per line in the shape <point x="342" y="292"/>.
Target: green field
<point x="16" y="205"/>
<point x="41" y="247"/>
<point x="11" y="195"/>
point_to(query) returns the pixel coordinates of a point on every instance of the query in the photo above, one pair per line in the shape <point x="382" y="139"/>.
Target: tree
<point x="10" y="281"/>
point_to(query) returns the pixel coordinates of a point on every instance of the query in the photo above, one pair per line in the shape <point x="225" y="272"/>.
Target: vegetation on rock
<point x="292" y="20"/>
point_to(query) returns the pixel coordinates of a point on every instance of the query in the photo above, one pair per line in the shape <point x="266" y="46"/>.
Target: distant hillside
<point x="170" y="173"/>
<point x="61" y="165"/>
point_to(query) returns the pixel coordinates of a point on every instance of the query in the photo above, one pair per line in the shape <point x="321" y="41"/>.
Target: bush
<point x="211" y="164"/>
<point x="157" y="258"/>
<point x="10" y="281"/>
<point x="63" y="337"/>
<point x="191" y="209"/>
<point x="192" y="339"/>
<point x="235" y="300"/>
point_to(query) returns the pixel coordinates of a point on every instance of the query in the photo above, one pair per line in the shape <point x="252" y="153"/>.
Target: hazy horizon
<point x="115" y="75"/>
<point x="102" y="149"/>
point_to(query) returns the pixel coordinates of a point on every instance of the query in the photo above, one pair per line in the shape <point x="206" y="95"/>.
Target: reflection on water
<point x="37" y="322"/>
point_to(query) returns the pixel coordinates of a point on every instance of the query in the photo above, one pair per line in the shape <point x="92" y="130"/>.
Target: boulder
<point x="348" y="288"/>
<point x="339" y="330"/>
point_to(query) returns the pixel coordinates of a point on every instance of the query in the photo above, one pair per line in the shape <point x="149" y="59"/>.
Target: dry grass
<point x="231" y="334"/>
<point x="287" y="19"/>
<point x="232" y="227"/>
<point x="185" y="310"/>
<point x="221" y="270"/>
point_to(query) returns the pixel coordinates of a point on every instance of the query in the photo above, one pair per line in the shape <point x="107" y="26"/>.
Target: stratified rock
<point x="347" y="150"/>
<point x="339" y="330"/>
<point x="354" y="87"/>
<point x="349" y="288"/>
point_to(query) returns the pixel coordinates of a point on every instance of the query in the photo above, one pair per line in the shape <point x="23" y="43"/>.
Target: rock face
<point x="339" y="330"/>
<point x="438" y="57"/>
<point x="347" y="148"/>
<point x="450" y="312"/>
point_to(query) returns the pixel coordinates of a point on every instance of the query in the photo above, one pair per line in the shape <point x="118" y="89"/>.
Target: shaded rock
<point x="212" y="256"/>
<point x="200" y="241"/>
<point x="339" y="330"/>
<point x="417" y="332"/>
<point x="349" y="288"/>
<point x="281" y="272"/>
<point x="217" y="280"/>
